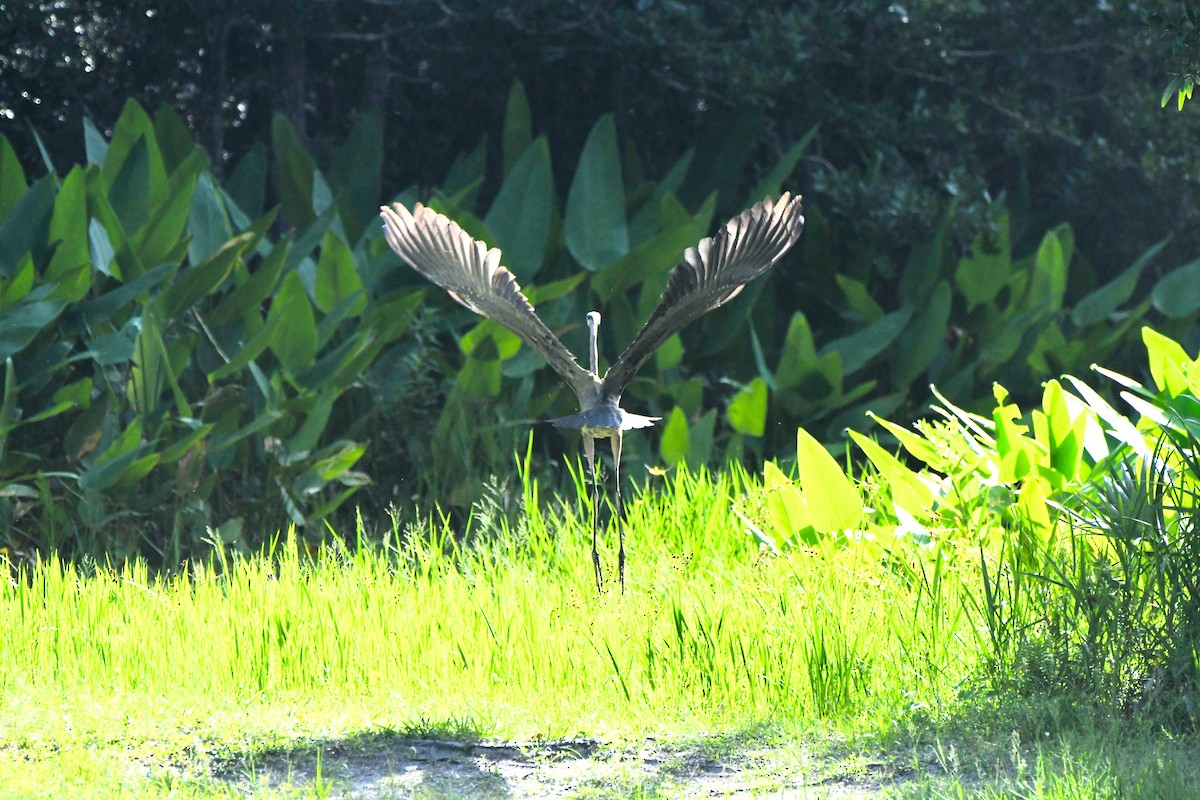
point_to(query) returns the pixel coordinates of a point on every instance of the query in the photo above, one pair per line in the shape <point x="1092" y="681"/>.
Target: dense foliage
<point x="184" y="358"/>
<point x="1055" y="105"/>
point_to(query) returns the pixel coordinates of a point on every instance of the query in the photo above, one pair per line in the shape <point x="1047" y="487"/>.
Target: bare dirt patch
<point x="387" y="767"/>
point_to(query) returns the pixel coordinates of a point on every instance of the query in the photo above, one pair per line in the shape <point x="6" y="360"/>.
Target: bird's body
<point x="710" y="274"/>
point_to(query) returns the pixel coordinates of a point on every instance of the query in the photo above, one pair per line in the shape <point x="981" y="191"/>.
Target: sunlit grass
<point x="117" y="680"/>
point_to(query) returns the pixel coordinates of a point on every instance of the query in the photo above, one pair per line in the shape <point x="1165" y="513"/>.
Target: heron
<point x="710" y="274"/>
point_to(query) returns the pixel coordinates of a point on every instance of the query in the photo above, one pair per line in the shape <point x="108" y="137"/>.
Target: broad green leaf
<point x="859" y="299"/>
<point x="500" y="342"/>
<point x="674" y="446"/>
<point x="725" y="146"/>
<point x="920" y="343"/>
<point x="306" y="438"/>
<point x="647" y="219"/>
<point x="356" y="174"/>
<point x="466" y="173"/>
<point x="1049" y="281"/>
<point x="924" y="266"/>
<point x="859" y="348"/>
<point x="256" y="288"/>
<point x="77" y="393"/>
<point x="113" y="348"/>
<point x="248" y="181"/>
<point x="130" y="194"/>
<point x="1065" y="434"/>
<point x="518" y="127"/>
<point x="1169" y="362"/>
<point x="146" y="377"/>
<point x="786" y="508"/>
<point x="26" y="228"/>
<point x="132" y="126"/>
<point x="833" y="502"/>
<point x="700" y="439"/>
<point x="747" y="411"/>
<point x="12" y="179"/>
<point x="480" y="373"/>
<point x="100" y="249"/>
<point x="20" y="284"/>
<point x="261" y="339"/>
<point x="295" y="339"/>
<point x="1097" y="306"/>
<point x="334" y="462"/>
<point x="520" y="216"/>
<point x="907" y="489"/>
<point x="772" y="182"/>
<point x="988" y="269"/>
<point x="95" y="146"/>
<point x="207" y="222"/>
<point x="100" y="309"/>
<point x="126" y="265"/>
<point x="669" y="354"/>
<point x="337" y="280"/>
<point x="8" y="408"/>
<point x="176" y="451"/>
<point x="798" y="353"/>
<point x="1034" y="501"/>
<point x="655" y="256"/>
<point x="1177" y="294"/>
<point x="554" y="290"/>
<point x="1003" y="344"/>
<point x="1119" y="425"/>
<point x="174" y="140"/>
<point x="25" y="320"/>
<point x="594" y="225"/>
<point x="204" y="278"/>
<point x="295" y="168"/>
<point x="106" y="474"/>
<point x="68" y="227"/>
<point x="161" y="239"/>
<point x="916" y="445"/>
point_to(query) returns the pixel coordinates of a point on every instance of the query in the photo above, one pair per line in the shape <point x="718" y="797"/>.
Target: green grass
<point x="119" y="683"/>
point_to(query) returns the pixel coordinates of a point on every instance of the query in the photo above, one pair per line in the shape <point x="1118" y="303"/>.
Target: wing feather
<point x="710" y="274"/>
<point x="439" y="249"/>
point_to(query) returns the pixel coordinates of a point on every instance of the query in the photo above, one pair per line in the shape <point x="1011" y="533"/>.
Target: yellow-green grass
<point x="116" y="682"/>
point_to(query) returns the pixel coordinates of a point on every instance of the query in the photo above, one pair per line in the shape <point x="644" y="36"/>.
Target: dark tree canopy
<point x="1054" y="105"/>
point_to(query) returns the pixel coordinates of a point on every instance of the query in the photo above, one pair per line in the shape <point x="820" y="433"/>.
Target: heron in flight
<point x="710" y="274"/>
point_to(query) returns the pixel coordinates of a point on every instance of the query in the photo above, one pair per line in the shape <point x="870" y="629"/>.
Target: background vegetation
<point x="206" y="332"/>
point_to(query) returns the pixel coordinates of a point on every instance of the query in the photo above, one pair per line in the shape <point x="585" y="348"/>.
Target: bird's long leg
<point x="589" y="450"/>
<point x="616" y="447"/>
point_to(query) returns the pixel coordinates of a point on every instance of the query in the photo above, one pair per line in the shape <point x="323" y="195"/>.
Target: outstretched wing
<point x="444" y="253"/>
<point x="712" y="273"/>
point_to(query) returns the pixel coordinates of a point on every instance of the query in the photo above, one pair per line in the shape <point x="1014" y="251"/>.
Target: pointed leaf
<point x="295" y="168"/>
<point x="25" y="320"/>
<point x="356" y="173"/>
<point x="674" y="446"/>
<point x="202" y="279"/>
<point x="295" y="339"/>
<point x="831" y="498"/>
<point x="1097" y="306"/>
<point x="248" y="181"/>
<point x="988" y="269"/>
<point x="518" y="127"/>
<point x="520" y="216"/>
<point x="26" y="229"/>
<point x="748" y="409"/>
<point x="921" y="342"/>
<point x="207" y="222"/>
<point x="594" y="225"/>
<point x="1177" y="294"/>
<point x="337" y="281"/>
<point x="859" y="348"/>
<point x="12" y="179"/>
